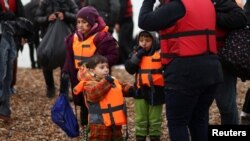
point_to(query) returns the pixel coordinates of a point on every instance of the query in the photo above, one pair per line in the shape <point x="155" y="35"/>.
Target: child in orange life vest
<point x="146" y="65"/>
<point x="104" y="99"/>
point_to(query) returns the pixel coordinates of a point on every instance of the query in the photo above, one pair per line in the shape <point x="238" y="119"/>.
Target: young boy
<point x="104" y="99"/>
<point x="149" y="98"/>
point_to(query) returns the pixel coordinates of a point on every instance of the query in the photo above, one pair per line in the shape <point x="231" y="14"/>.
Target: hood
<point x="155" y="44"/>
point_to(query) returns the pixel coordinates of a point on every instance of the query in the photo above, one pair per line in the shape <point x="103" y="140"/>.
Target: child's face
<point x="101" y="69"/>
<point x="145" y="42"/>
<point x="83" y="26"/>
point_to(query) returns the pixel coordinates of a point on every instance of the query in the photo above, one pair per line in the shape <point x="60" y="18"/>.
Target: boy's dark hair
<point x="94" y="60"/>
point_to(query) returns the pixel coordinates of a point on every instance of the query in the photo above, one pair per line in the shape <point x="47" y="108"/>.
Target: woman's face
<point x="83" y="26"/>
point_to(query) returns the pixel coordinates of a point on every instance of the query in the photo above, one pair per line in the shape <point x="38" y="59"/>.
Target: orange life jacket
<point x="193" y="34"/>
<point x="83" y="50"/>
<point x="112" y="107"/>
<point x="150" y="72"/>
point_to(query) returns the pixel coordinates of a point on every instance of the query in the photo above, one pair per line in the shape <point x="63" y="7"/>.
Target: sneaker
<point x="51" y="93"/>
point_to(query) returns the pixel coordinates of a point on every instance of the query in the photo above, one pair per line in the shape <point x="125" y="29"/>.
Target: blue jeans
<point x="187" y="113"/>
<point x="226" y="99"/>
<point x="7" y="55"/>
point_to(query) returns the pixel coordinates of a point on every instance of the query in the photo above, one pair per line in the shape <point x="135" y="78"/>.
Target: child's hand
<point x="141" y="52"/>
<point x="81" y="72"/>
<point x="60" y="15"/>
<point x="126" y="88"/>
<point x="64" y="82"/>
<point x="110" y="80"/>
<point x="52" y="17"/>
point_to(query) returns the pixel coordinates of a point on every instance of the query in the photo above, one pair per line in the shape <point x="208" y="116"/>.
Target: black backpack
<point x="235" y="54"/>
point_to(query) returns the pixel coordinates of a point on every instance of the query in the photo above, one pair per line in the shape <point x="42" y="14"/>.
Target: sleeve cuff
<point x="135" y="60"/>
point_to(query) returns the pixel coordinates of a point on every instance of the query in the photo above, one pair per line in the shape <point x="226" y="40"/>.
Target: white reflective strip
<point x="6" y="4"/>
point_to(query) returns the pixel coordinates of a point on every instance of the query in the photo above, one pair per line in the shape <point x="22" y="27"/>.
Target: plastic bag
<point x="51" y="51"/>
<point x="63" y="115"/>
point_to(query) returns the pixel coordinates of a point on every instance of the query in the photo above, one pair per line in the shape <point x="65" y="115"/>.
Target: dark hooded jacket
<point x="47" y="7"/>
<point x="154" y="95"/>
<point x="131" y="65"/>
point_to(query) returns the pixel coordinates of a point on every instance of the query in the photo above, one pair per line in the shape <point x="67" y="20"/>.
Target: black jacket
<point x="229" y="15"/>
<point x="132" y="64"/>
<point x="154" y="95"/>
<point x="47" y="7"/>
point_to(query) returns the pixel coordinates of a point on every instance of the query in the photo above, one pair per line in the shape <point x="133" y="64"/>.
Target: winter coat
<point x="12" y="16"/>
<point x="229" y="15"/>
<point x="131" y="65"/>
<point x="154" y="95"/>
<point x="30" y="9"/>
<point x="47" y="7"/>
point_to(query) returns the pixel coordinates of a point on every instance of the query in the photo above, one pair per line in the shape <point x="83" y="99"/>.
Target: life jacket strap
<point x="106" y="110"/>
<point x="188" y="33"/>
<point x="152" y="71"/>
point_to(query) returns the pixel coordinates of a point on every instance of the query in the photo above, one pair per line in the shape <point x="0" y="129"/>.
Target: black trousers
<point x="49" y="79"/>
